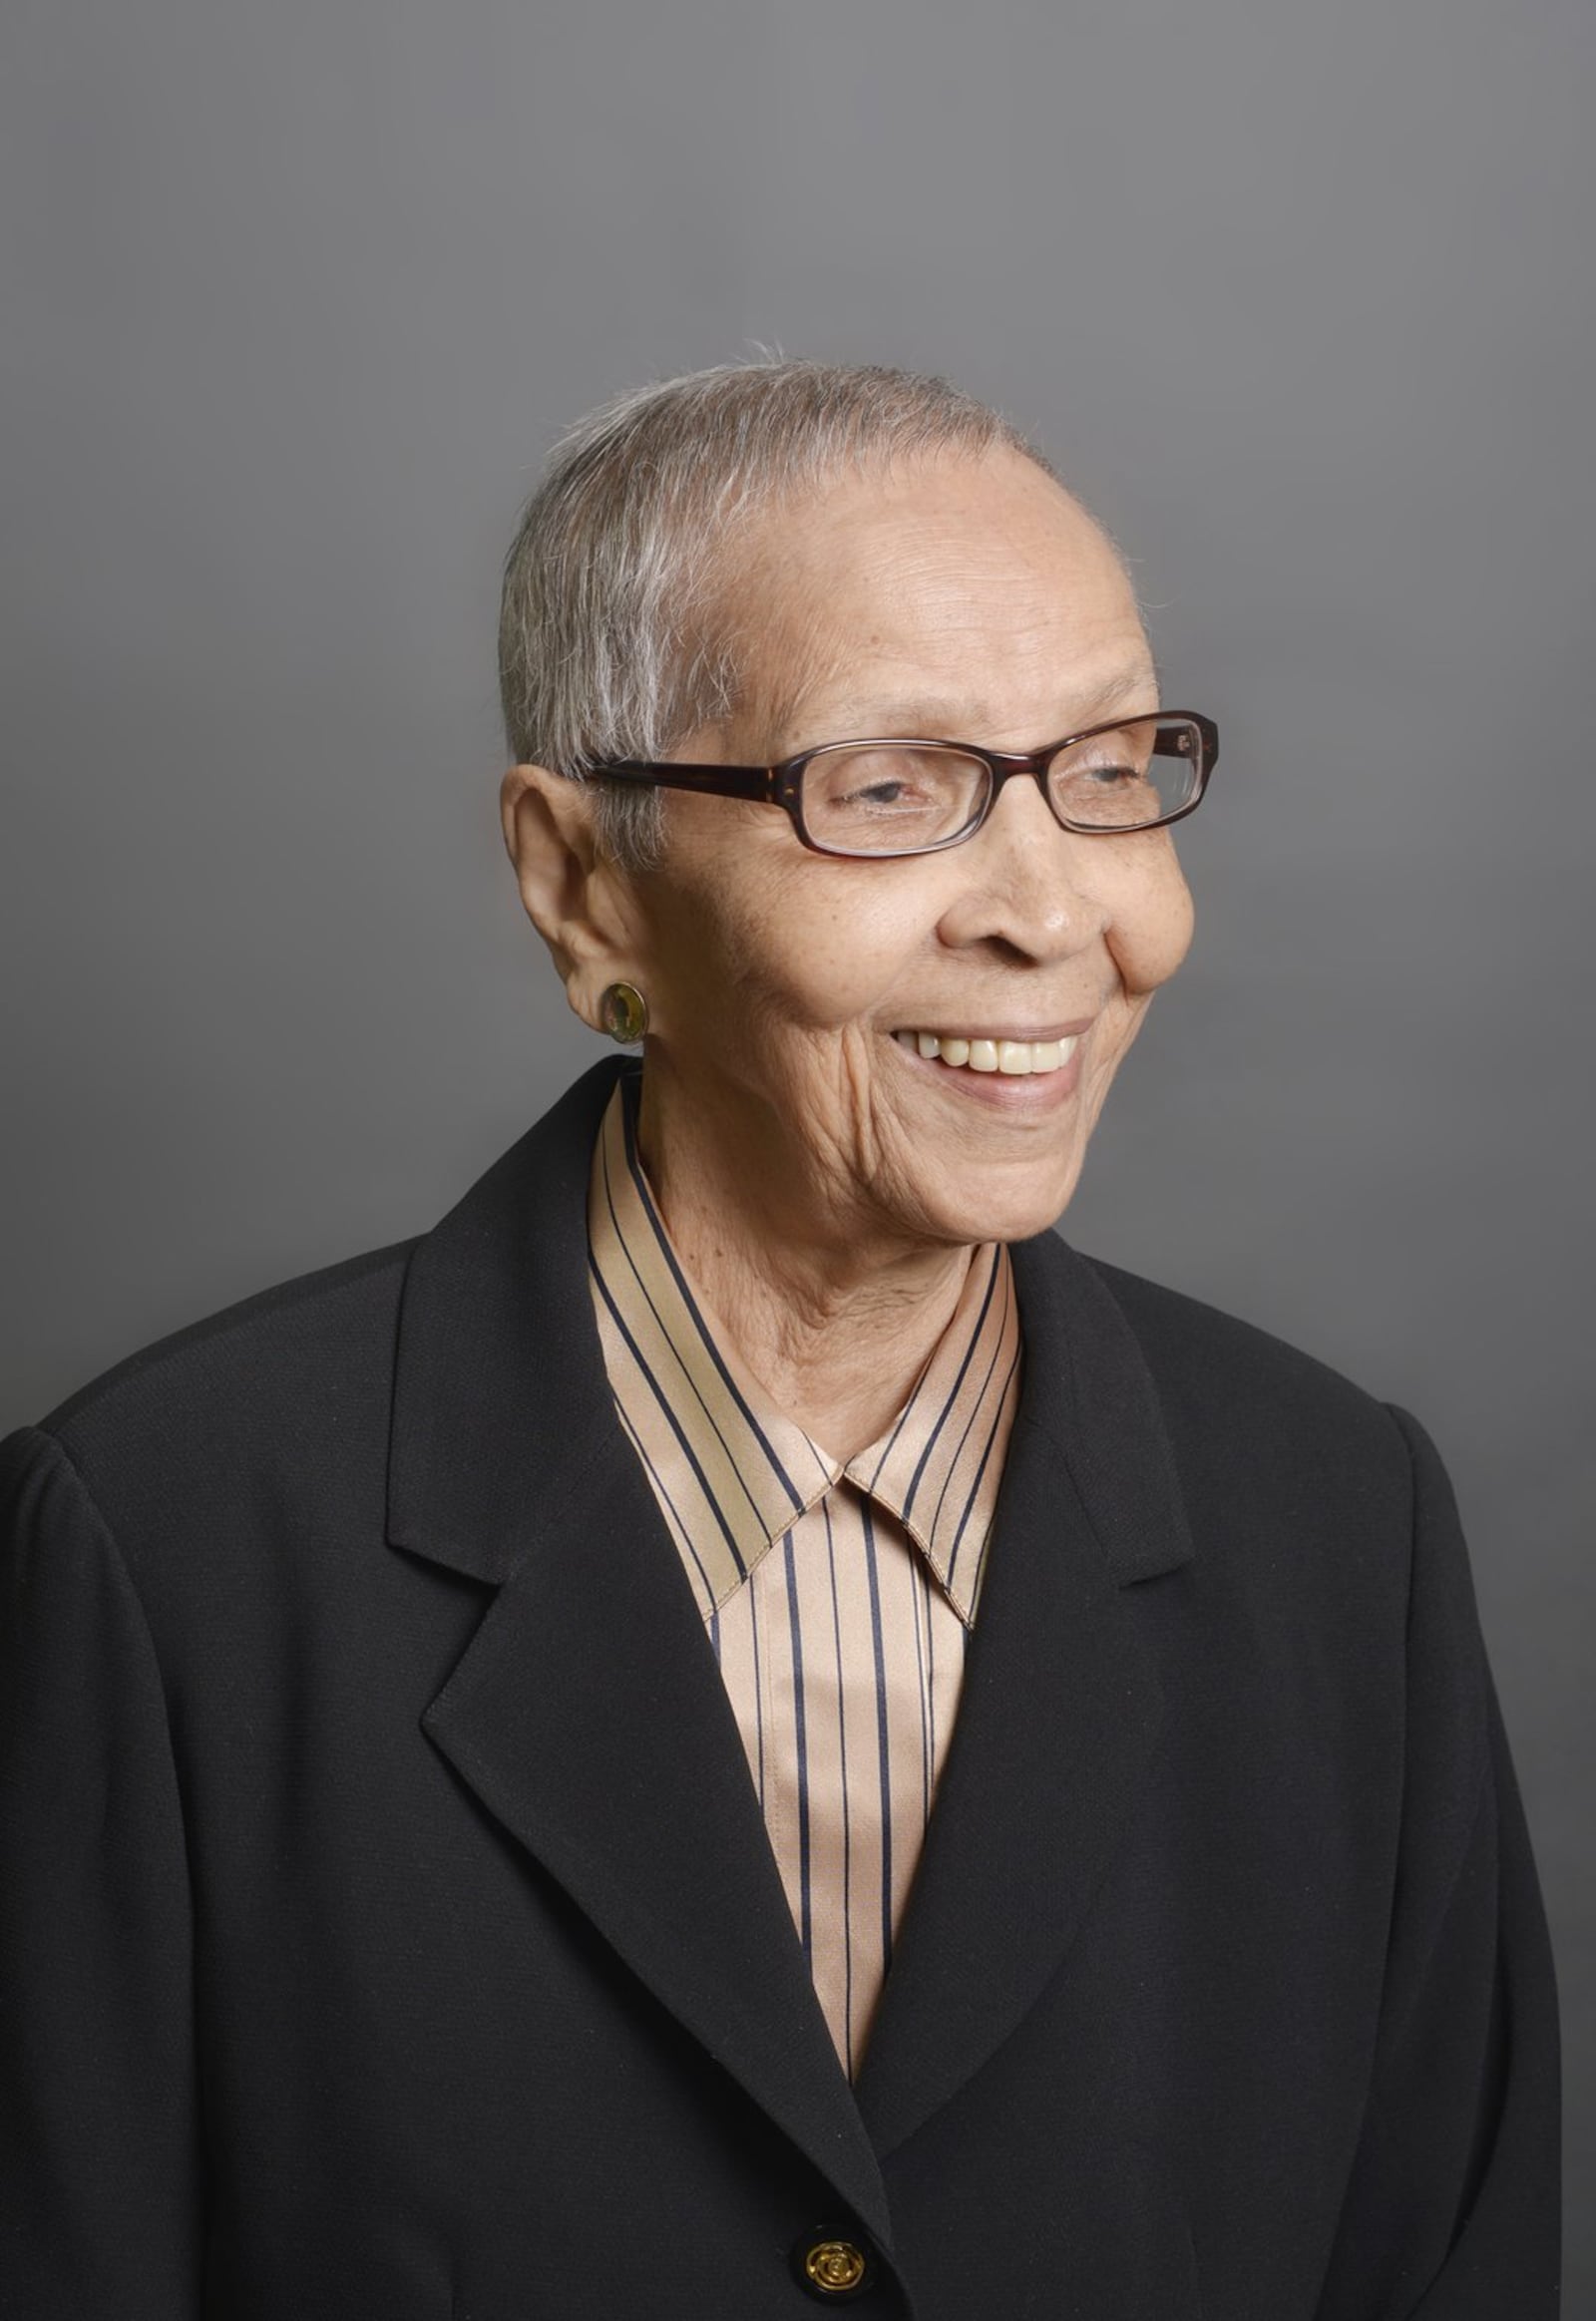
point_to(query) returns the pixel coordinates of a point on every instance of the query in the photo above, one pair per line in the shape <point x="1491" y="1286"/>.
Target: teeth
<point x="1018" y="1059"/>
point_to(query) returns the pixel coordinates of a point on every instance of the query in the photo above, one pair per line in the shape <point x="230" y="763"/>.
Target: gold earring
<point x="624" y="1012"/>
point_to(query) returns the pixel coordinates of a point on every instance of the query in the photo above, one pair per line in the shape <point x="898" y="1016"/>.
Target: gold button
<point x="835" y="2267"/>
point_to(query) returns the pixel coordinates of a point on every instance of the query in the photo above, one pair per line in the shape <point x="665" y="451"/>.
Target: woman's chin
<point x="1000" y="1205"/>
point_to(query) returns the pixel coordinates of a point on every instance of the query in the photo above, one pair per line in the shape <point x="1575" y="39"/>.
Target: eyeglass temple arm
<point x="719" y="781"/>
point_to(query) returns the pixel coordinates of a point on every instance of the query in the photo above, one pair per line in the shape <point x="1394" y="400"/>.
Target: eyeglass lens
<point x="903" y="797"/>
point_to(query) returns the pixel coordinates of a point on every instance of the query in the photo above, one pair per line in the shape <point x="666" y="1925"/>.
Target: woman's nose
<point x="1025" y="882"/>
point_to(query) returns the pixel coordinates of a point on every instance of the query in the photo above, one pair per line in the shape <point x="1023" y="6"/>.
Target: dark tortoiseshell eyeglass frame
<point x="1193" y="738"/>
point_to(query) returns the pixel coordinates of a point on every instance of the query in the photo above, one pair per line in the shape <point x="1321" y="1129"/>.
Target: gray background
<point x="295" y="298"/>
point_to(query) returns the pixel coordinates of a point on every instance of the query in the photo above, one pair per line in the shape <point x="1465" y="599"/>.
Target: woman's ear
<point x="581" y="902"/>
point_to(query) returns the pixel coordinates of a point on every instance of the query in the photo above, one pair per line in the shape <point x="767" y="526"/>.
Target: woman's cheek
<point x="1151" y="927"/>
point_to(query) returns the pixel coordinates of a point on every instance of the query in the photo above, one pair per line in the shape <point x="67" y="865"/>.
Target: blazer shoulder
<point x="1228" y="1383"/>
<point x="286" y="1355"/>
<point x="1179" y="1332"/>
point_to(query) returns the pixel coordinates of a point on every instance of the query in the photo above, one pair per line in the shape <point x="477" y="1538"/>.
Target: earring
<point x="624" y="1012"/>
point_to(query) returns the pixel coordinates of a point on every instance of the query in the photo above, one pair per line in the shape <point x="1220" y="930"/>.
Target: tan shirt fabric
<point x="839" y="1599"/>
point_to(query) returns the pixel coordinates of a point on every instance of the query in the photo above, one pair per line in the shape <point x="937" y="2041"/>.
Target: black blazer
<point x="389" y="1928"/>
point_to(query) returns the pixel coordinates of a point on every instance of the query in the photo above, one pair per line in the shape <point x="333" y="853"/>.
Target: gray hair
<point x="609" y="643"/>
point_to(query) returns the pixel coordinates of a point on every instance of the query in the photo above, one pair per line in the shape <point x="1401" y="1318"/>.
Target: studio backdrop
<point x="1299" y="299"/>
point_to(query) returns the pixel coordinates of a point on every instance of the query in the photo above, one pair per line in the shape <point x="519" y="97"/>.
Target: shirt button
<point x="832" y="2268"/>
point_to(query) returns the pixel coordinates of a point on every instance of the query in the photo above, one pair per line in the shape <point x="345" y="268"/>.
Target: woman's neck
<point x="836" y="1327"/>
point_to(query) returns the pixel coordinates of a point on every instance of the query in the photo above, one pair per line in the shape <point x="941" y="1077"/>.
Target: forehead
<point x="968" y="596"/>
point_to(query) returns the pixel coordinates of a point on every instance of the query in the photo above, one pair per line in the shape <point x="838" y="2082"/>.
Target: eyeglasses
<point x="882" y="798"/>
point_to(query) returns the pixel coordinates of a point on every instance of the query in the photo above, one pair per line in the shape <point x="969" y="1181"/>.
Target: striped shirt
<point x="838" y="1597"/>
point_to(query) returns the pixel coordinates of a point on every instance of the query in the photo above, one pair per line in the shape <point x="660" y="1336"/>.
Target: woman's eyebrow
<point x="932" y="717"/>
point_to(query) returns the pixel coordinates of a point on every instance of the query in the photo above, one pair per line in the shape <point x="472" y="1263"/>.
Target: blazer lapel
<point x="1061" y="1708"/>
<point x="588" y="1712"/>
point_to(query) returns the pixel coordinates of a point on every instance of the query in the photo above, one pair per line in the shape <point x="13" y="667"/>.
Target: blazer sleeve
<point x="98" y="2140"/>
<point x="1452" y="2208"/>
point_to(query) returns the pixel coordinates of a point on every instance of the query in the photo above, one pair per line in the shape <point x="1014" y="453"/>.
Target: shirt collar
<point x="732" y="1472"/>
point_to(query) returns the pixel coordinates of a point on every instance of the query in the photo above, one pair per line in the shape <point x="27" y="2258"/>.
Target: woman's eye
<point x="881" y="782"/>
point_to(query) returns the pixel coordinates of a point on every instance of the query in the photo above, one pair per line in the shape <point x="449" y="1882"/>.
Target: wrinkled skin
<point x="812" y="1171"/>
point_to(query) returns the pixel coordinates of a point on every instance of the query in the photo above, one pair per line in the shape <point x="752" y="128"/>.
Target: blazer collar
<point x="493" y="1431"/>
<point x="487" y="1428"/>
<point x="507" y="1462"/>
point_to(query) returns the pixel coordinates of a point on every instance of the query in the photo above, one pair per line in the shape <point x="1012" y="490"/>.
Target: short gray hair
<point x="609" y="643"/>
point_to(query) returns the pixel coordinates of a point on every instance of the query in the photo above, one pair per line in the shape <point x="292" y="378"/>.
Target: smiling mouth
<point x="1015" y="1059"/>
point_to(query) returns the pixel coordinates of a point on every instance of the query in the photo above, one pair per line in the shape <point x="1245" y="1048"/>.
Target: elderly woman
<point x="737" y="1725"/>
